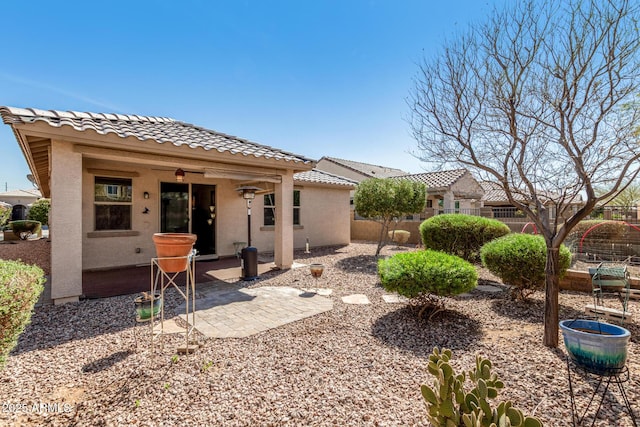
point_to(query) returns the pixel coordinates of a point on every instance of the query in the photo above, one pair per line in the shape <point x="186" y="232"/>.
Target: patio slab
<point x="228" y="311"/>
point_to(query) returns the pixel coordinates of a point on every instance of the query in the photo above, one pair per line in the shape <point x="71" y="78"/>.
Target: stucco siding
<point x="324" y="214"/>
<point x="66" y="247"/>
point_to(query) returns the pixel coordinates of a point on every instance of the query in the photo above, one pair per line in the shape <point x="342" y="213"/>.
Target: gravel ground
<point x="90" y="364"/>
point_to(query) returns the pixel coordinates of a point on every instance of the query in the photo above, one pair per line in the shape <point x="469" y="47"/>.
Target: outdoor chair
<point x="610" y="279"/>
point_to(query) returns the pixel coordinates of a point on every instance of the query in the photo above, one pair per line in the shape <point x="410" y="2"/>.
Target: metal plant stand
<point x="618" y="377"/>
<point x="160" y="281"/>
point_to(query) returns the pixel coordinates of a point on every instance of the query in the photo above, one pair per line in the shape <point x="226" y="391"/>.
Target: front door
<point x="190" y="208"/>
<point x="203" y="217"/>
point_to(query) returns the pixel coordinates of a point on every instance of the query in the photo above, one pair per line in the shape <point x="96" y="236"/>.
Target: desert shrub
<point x="423" y="275"/>
<point x="519" y="261"/>
<point x="400" y="236"/>
<point x="25" y="228"/>
<point x="5" y="214"/>
<point x="39" y="211"/>
<point x="20" y="287"/>
<point x="460" y="235"/>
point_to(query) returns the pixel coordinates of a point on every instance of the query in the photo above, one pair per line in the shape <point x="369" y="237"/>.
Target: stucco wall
<point x="324" y="219"/>
<point x="324" y="216"/>
<point x="370" y="230"/>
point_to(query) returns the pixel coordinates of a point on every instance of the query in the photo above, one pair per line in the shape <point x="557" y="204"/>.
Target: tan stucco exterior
<point x="67" y="159"/>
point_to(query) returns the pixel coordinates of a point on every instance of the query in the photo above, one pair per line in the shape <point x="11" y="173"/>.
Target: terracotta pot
<point x="177" y="245"/>
<point x="600" y="348"/>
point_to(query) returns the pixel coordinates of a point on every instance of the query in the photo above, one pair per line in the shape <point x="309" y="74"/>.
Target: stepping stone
<point x="489" y="288"/>
<point x="325" y="292"/>
<point x="394" y="299"/>
<point x="356" y="299"/>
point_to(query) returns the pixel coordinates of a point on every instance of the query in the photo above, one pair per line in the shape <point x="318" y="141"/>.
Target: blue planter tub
<point x="600" y="348"/>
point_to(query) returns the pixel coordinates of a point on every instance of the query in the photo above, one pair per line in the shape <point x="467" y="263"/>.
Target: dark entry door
<point x="203" y="217"/>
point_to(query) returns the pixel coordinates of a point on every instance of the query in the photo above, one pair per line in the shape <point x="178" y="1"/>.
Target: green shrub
<point x="461" y="235"/>
<point x="39" y="211"/>
<point x="412" y="274"/>
<point x="25" y="228"/>
<point x="20" y="287"/>
<point x="519" y="260"/>
<point x="5" y="214"/>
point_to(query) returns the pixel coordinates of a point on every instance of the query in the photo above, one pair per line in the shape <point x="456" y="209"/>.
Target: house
<point x="356" y="171"/>
<point x="496" y="199"/>
<point x="20" y="200"/>
<point x="451" y="191"/>
<point x="114" y="180"/>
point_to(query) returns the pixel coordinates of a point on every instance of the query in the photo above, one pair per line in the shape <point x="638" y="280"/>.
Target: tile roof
<point x="441" y="179"/>
<point x="21" y="193"/>
<point x="493" y="192"/>
<point x="373" y="171"/>
<point x="322" y="177"/>
<point x="160" y="129"/>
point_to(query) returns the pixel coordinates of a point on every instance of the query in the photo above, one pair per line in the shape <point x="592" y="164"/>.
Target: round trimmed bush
<point x="519" y="260"/>
<point x="413" y="274"/>
<point x="25" y="228"/>
<point x="461" y="235"/>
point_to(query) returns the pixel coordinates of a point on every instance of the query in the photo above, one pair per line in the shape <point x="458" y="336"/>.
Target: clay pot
<point x="173" y="245"/>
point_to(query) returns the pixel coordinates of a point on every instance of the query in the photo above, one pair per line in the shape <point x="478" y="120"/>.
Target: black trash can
<point x="249" y="257"/>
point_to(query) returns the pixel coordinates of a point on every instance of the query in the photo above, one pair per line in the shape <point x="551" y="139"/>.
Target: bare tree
<point x="542" y="99"/>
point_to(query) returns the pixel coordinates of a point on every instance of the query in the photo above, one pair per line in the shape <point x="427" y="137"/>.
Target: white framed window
<point x="270" y="208"/>
<point x="112" y="203"/>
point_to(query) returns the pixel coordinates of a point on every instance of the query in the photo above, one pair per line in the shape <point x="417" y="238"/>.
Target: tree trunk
<point x="552" y="288"/>
<point x="382" y="240"/>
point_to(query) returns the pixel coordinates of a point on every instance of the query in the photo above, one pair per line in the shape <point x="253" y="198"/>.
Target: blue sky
<point x="323" y="78"/>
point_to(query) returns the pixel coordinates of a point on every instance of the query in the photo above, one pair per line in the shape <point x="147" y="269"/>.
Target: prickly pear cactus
<point x="449" y="405"/>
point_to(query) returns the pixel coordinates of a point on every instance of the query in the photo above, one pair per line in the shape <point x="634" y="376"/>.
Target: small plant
<point x="426" y="275"/>
<point x="519" y="261"/>
<point x="450" y="405"/>
<point x="137" y="403"/>
<point x="5" y="214"/>
<point x="175" y="358"/>
<point x="461" y="235"/>
<point x="25" y="228"/>
<point x="20" y="287"/>
<point x="400" y="236"/>
<point x="206" y="365"/>
<point x="167" y="386"/>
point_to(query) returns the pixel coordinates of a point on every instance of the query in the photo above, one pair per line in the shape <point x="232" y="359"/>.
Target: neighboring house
<point x="496" y="199"/>
<point x="356" y="171"/>
<point x="116" y="179"/>
<point x="20" y="200"/>
<point x="452" y="191"/>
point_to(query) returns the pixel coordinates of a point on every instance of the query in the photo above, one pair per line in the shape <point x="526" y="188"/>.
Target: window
<point x="112" y="202"/>
<point x="270" y="208"/>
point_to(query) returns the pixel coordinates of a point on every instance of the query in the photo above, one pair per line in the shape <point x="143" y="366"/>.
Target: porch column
<point x="66" y="223"/>
<point x="448" y="202"/>
<point x="283" y="245"/>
